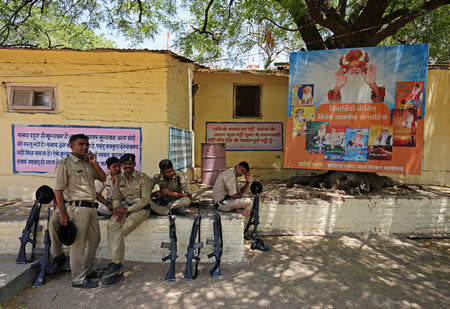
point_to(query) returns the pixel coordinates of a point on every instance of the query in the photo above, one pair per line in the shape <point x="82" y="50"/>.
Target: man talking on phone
<point x="75" y="176"/>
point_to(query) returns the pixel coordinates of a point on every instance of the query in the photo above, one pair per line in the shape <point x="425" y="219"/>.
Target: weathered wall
<point x="214" y="102"/>
<point x="144" y="243"/>
<point x="179" y="102"/>
<point x="436" y="152"/>
<point x="95" y="88"/>
<point x="378" y="215"/>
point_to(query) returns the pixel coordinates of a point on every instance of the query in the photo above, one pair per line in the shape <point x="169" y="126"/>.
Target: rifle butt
<point x="188" y="274"/>
<point x="215" y="271"/>
<point x="22" y="256"/>
<point x="171" y="273"/>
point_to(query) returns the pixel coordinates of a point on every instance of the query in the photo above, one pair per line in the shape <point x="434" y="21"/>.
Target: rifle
<point x="45" y="259"/>
<point x="217" y="242"/>
<point x="257" y="243"/>
<point x="44" y="195"/>
<point x="192" y="246"/>
<point x="172" y="246"/>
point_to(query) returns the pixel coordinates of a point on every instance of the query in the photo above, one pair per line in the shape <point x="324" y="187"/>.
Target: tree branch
<point x="341" y="8"/>
<point x="140" y="10"/>
<point x="281" y="27"/>
<point x="401" y="21"/>
<point x="325" y="15"/>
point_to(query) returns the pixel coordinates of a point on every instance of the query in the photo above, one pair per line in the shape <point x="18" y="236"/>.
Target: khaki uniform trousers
<point x="82" y="251"/>
<point x="232" y="204"/>
<point x="53" y="228"/>
<point x="164" y="210"/>
<point x="116" y="232"/>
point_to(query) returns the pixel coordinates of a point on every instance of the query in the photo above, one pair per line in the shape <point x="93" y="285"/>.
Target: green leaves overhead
<point x="231" y="30"/>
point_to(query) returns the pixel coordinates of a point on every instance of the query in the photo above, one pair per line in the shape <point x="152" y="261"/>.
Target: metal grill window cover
<point x="180" y="148"/>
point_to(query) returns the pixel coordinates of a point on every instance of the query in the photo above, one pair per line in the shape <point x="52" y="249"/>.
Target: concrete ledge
<point x="374" y="215"/>
<point x="144" y="243"/>
<point x="14" y="277"/>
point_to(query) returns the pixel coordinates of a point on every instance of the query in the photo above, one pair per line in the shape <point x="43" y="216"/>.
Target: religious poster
<point x="246" y="136"/>
<point x="381" y="139"/>
<point x="335" y="143"/>
<point x="37" y="149"/>
<point x="357" y="109"/>
<point x="409" y="95"/>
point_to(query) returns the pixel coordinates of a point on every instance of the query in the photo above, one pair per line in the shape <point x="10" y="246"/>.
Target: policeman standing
<point x="75" y="176"/>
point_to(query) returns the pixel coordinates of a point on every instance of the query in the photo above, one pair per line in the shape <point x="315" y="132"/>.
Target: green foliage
<point x="432" y="28"/>
<point x="207" y="30"/>
<point x="47" y="28"/>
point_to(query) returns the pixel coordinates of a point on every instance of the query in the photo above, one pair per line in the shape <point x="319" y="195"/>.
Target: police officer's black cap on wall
<point x="127" y="157"/>
<point x="256" y="187"/>
<point x="45" y="194"/>
<point x="67" y="234"/>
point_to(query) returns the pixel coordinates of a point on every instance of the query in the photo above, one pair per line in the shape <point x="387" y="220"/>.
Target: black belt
<point x="84" y="204"/>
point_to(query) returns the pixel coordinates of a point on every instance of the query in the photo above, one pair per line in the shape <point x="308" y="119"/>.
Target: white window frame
<point x="33" y="88"/>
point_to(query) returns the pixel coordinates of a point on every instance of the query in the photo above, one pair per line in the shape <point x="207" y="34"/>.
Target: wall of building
<point x="94" y="88"/>
<point x="436" y="151"/>
<point x="179" y="94"/>
<point x="214" y="102"/>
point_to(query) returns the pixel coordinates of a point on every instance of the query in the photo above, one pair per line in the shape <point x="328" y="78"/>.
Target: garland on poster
<point x="246" y="135"/>
<point x="39" y="148"/>
<point x="359" y="109"/>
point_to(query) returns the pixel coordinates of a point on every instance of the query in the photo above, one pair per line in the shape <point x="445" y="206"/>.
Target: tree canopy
<point x="211" y="29"/>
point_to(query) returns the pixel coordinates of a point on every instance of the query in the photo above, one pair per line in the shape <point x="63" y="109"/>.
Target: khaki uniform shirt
<point x="225" y="184"/>
<point x="177" y="183"/>
<point x="108" y="185"/>
<point x="76" y="178"/>
<point x="135" y="192"/>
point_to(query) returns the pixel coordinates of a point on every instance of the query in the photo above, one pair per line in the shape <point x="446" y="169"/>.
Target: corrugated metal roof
<point x="251" y="72"/>
<point x="156" y="51"/>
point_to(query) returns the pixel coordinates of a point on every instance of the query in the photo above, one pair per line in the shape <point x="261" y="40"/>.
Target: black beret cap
<point x="127" y="157"/>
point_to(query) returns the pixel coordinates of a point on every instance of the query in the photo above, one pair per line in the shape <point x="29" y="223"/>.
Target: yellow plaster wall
<point x="96" y="88"/>
<point x="179" y="80"/>
<point x="436" y="158"/>
<point x="214" y="102"/>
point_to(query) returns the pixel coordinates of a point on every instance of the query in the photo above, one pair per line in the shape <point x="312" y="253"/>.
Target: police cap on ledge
<point x="127" y="157"/>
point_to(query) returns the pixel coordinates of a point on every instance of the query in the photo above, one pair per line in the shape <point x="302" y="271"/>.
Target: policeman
<point x="75" y="176"/>
<point x="227" y="194"/>
<point x="172" y="184"/>
<point x="131" y="194"/>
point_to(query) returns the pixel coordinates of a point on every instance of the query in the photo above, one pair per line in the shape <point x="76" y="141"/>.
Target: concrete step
<point x="144" y="243"/>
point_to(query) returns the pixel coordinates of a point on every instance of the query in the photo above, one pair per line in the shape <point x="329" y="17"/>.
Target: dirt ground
<point x="350" y="271"/>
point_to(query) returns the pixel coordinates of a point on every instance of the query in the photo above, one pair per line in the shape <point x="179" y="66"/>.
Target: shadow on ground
<point x="351" y="271"/>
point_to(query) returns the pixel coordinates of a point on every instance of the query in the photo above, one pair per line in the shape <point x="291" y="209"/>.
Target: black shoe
<point x="112" y="280"/>
<point x="179" y="211"/>
<point x="57" y="265"/>
<point x="113" y="269"/>
<point x="258" y="244"/>
<point x="94" y="275"/>
<point x="86" y="284"/>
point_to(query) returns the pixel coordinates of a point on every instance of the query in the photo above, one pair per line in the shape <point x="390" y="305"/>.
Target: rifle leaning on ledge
<point x="257" y="243"/>
<point x="189" y="275"/>
<point x="217" y="243"/>
<point x="45" y="259"/>
<point x="44" y="195"/>
<point x="172" y="246"/>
